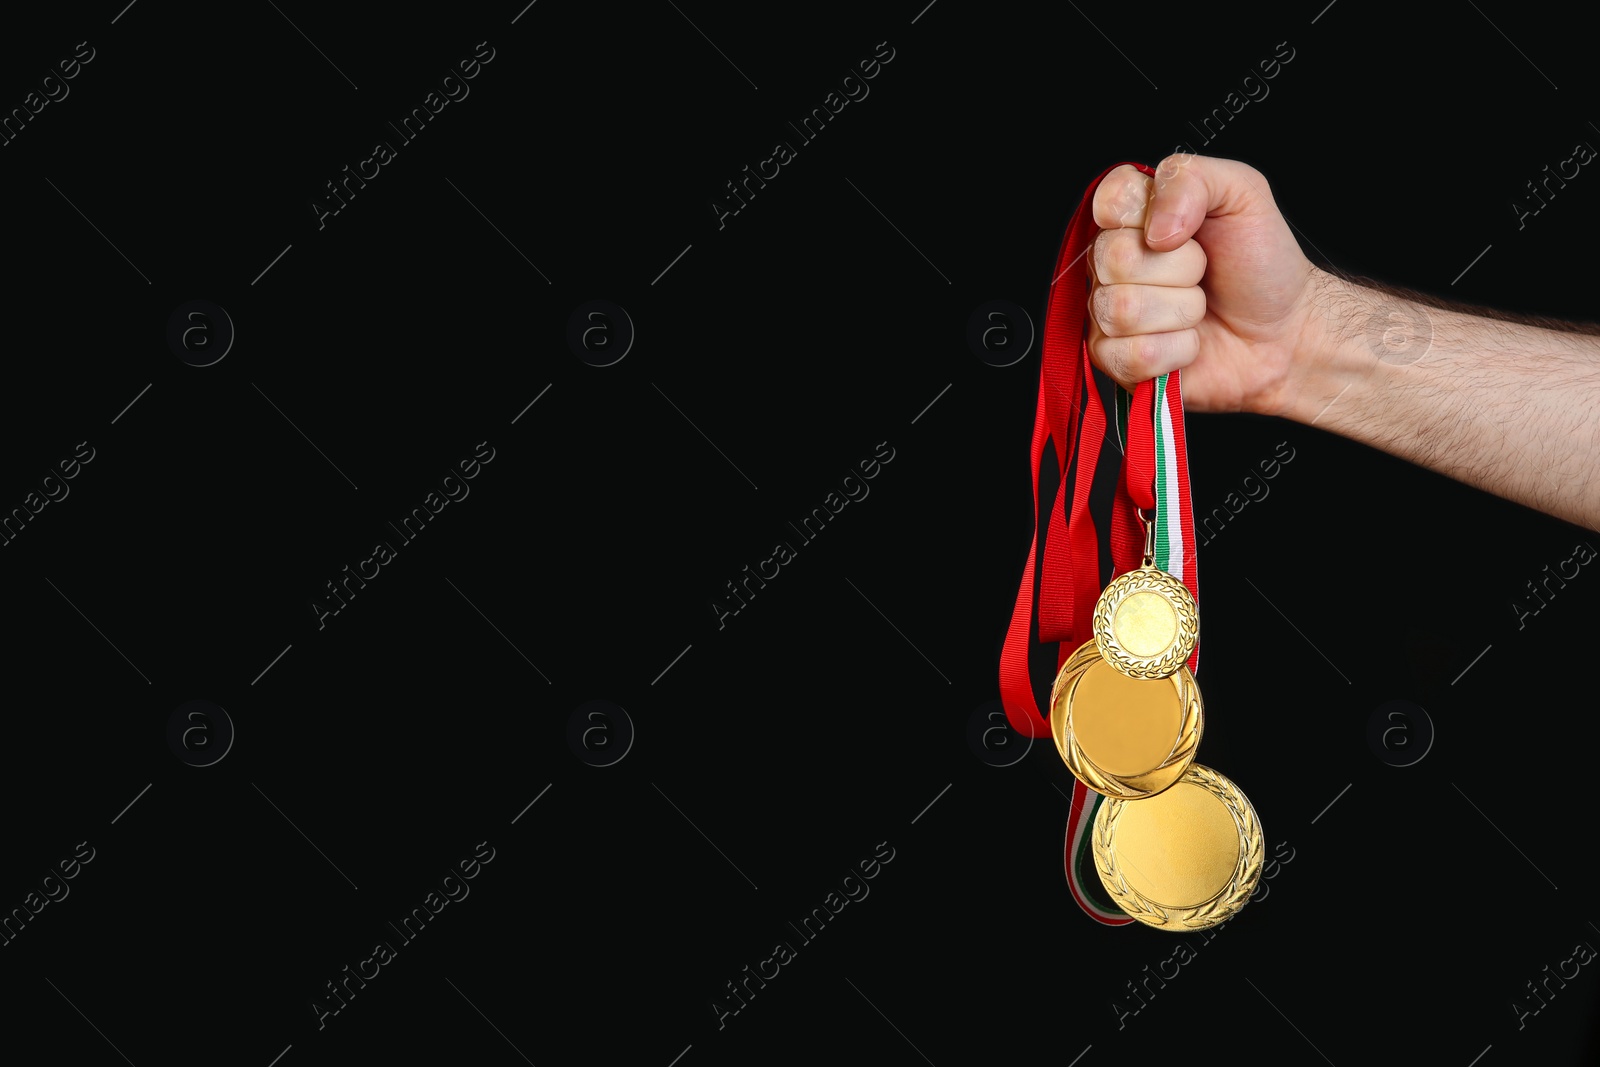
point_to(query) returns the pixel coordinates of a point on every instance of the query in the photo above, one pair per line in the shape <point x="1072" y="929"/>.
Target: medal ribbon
<point x="1156" y="480"/>
<point x="1080" y="549"/>
<point x="1071" y="416"/>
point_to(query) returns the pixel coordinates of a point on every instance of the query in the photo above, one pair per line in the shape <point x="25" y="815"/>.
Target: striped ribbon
<point x="1174" y="514"/>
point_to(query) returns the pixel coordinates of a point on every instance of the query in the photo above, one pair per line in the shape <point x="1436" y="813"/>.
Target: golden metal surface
<point x="1146" y="623"/>
<point x="1125" y="737"/>
<point x="1184" y="860"/>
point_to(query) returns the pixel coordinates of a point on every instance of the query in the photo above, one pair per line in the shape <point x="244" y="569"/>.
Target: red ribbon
<point x="1071" y="415"/>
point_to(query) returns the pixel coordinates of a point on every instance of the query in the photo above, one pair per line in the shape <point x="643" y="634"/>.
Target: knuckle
<point x="1127" y="192"/>
<point x="1100" y="306"/>
<point x="1143" y="352"/>
<point x="1114" y="361"/>
<point x="1102" y="201"/>
<point x="1257" y="182"/>
<point x="1170" y="167"/>
<point x="1097" y="350"/>
<point x="1124" y="307"/>
<point x="1102" y="351"/>
<point x="1123" y="256"/>
<point x="1109" y="197"/>
<point x="1116" y="255"/>
<point x="1102" y="255"/>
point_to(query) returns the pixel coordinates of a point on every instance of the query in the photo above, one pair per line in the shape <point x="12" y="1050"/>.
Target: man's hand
<point x="1196" y="269"/>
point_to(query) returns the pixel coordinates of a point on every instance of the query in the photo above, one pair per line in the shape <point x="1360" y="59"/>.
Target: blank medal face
<point x="1145" y="624"/>
<point x="1124" y="737"/>
<point x="1178" y="849"/>
<point x="1125" y="726"/>
<point x="1186" y="859"/>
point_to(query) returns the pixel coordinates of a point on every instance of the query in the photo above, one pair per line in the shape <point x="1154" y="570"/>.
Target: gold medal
<point x="1124" y="737"/>
<point x="1184" y="860"/>
<point x="1146" y="622"/>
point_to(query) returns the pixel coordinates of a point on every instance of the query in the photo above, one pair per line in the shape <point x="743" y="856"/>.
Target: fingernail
<point x="1163" y="225"/>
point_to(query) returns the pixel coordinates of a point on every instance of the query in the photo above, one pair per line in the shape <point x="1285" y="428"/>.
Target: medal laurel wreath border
<point x="1151" y="580"/>
<point x="1246" y="872"/>
<point x="1115" y="787"/>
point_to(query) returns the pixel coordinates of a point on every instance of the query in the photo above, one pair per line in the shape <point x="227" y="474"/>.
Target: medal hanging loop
<point x="1149" y="539"/>
<point x="1146" y="622"/>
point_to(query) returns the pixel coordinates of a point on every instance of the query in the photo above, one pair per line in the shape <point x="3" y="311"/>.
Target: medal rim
<point x="1227" y="902"/>
<point x="1140" y="580"/>
<point x="1191" y="726"/>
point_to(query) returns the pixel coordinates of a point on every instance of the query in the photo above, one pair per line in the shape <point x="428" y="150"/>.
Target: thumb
<point x="1188" y="189"/>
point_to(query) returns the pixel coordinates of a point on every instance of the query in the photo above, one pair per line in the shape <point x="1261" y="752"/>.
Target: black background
<point x="773" y="754"/>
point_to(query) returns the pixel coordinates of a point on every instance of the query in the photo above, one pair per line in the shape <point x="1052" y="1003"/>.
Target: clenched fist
<point x="1196" y="269"/>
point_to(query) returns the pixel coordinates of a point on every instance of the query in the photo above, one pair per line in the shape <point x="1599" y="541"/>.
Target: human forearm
<point x="1511" y="408"/>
